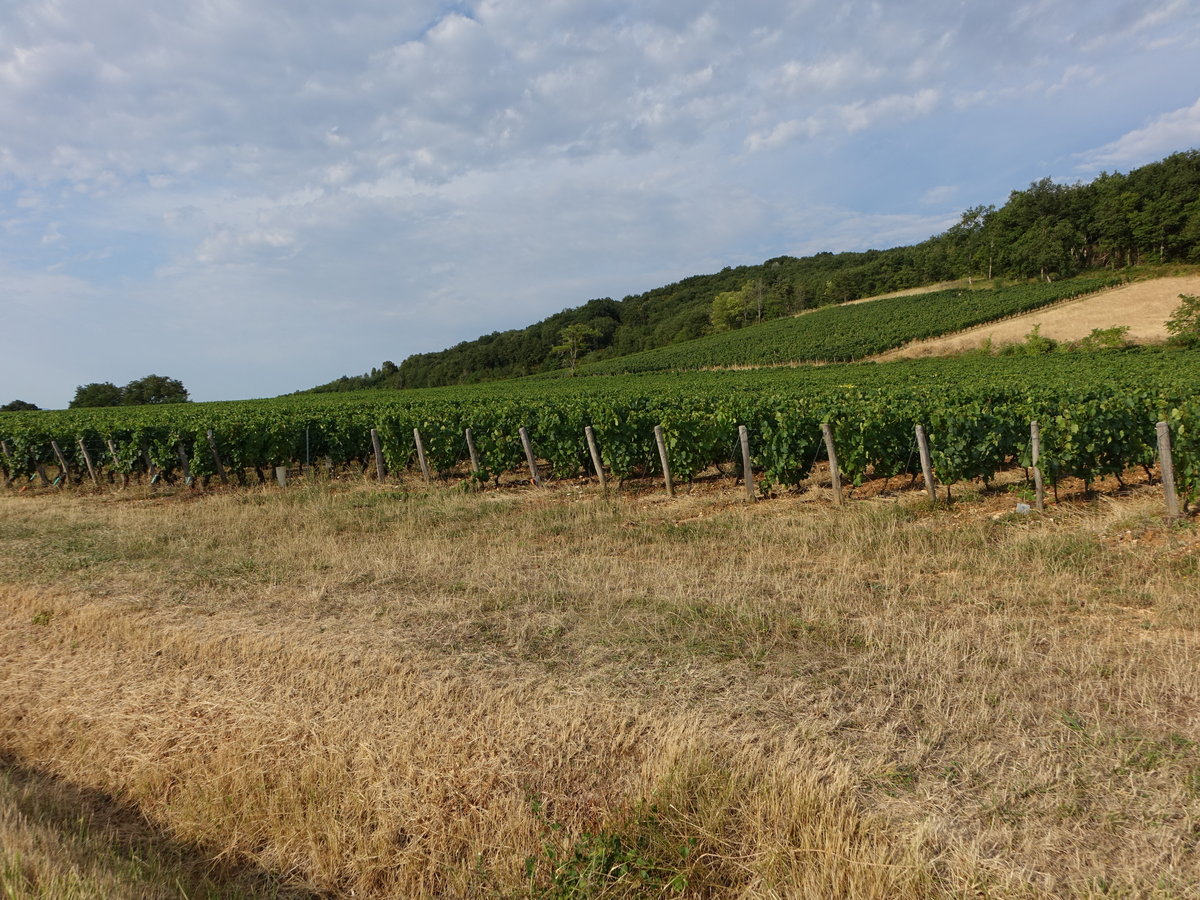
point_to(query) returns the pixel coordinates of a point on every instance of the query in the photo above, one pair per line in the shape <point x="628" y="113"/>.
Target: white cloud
<point x="1163" y="14"/>
<point x="783" y="134"/>
<point x="457" y="167"/>
<point x="861" y="115"/>
<point x="850" y="118"/>
<point x="799" y="78"/>
<point x="1170" y="132"/>
<point x="1076" y="75"/>
<point x="940" y="194"/>
<point x="1150" y="28"/>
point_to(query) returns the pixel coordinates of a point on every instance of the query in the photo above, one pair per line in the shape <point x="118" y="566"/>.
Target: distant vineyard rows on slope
<point x="1097" y="411"/>
<point x="854" y="331"/>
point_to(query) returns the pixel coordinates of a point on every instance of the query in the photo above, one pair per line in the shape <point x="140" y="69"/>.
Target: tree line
<point x="139" y="392"/>
<point x="145" y="391"/>
<point x="1048" y="231"/>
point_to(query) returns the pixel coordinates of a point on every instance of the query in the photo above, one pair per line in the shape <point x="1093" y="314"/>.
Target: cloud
<point x="940" y="194"/>
<point x="1170" y="132"/>
<point x="361" y="181"/>
<point x="783" y="134"/>
<point x="891" y="108"/>
<point x="800" y="78"/>
<point x="227" y="245"/>
<point x="848" y="118"/>
<point x="1075" y="75"/>
<point x="1160" y="24"/>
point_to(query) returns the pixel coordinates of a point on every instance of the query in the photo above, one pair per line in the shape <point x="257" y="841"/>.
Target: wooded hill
<point x="1048" y="231"/>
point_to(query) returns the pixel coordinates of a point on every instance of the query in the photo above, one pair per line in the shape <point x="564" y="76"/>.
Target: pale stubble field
<point x="364" y="691"/>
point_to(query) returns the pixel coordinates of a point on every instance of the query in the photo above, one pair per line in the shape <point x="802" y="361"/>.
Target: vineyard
<point x="1097" y="414"/>
<point x="853" y="331"/>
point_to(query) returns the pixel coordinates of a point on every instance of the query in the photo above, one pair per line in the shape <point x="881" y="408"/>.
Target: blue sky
<point x="258" y="197"/>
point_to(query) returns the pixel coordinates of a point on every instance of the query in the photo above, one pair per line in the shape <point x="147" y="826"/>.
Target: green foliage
<point x="1097" y="412"/>
<point x="153" y="389"/>
<point x="98" y="393"/>
<point x="1033" y="345"/>
<point x="18" y="406"/>
<point x="1114" y="338"/>
<point x="1184" y="324"/>
<point x="852" y="332"/>
<point x="1036" y="343"/>
<point x="386" y="375"/>
<point x="728" y="310"/>
<point x="574" y="340"/>
<point x="632" y="857"/>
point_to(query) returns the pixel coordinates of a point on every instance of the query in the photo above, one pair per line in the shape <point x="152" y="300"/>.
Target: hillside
<point x="1143" y="307"/>
<point x="852" y="331"/>
<point x="1048" y="231"/>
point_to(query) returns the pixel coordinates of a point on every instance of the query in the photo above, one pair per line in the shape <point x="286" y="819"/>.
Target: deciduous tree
<point x="154" y="389"/>
<point x="574" y="340"/>
<point x="1184" y="324"/>
<point x="98" y="393"/>
<point x="18" y="406"/>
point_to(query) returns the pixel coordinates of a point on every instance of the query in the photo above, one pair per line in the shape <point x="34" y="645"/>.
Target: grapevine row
<point x="1097" y="415"/>
<point x="853" y="331"/>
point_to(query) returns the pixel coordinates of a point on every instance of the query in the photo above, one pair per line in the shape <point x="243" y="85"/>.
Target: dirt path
<point x="1144" y="306"/>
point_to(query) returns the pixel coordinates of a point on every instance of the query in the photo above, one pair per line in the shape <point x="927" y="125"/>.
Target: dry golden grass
<point x="1144" y="306"/>
<point x="60" y="841"/>
<point x="398" y="692"/>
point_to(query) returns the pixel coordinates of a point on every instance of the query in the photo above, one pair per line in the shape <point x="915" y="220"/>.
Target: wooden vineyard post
<point x="594" y="450"/>
<point x="926" y="464"/>
<point x="380" y="468"/>
<point x="529" y="458"/>
<point x="747" y="468"/>
<point x="1167" y="466"/>
<point x="151" y="469"/>
<point x="212" y="446"/>
<point x="472" y="452"/>
<point x="8" y="464"/>
<point x="666" y="462"/>
<point x="184" y="463"/>
<point x="91" y="466"/>
<point x="112" y="451"/>
<point x="1035" y="440"/>
<point x="62" y="462"/>
<point x="421" y="455"/>
<point x="834" y="473"/>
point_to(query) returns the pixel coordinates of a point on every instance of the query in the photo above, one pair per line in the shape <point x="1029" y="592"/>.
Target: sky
<point x="258" y="197"/>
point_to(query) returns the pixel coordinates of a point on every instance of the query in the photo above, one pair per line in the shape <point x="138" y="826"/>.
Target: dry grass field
<point x="391" y="691"/>
<point x="1143" y="306"/>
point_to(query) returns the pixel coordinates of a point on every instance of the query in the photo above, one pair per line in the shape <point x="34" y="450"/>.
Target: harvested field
<point x="354" y="690"/>
<point x="1144" y="306"/>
